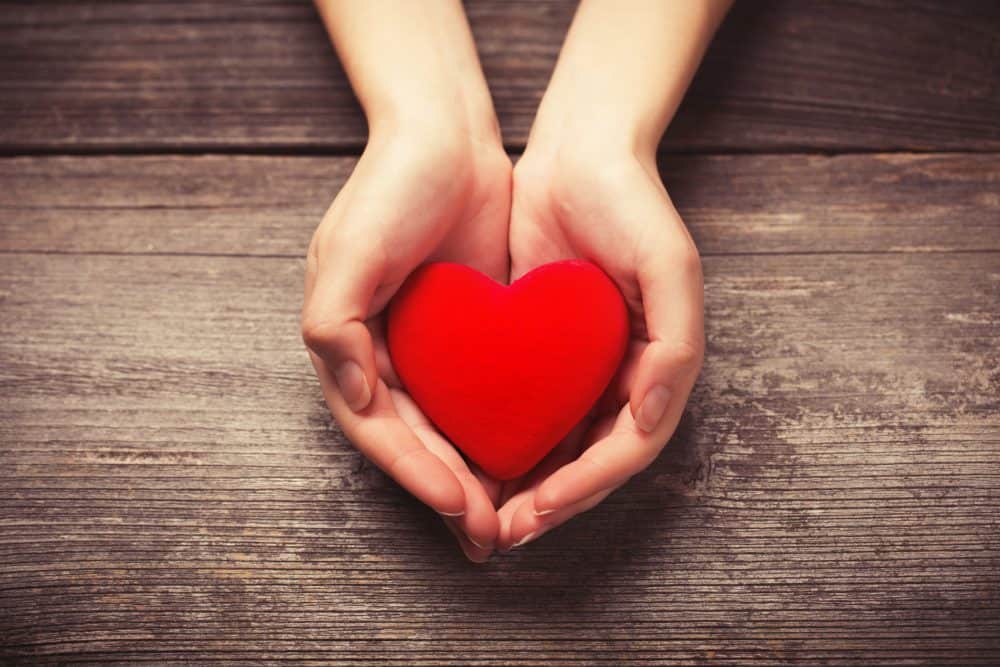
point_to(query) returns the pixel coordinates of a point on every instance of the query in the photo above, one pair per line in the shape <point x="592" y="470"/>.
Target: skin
<point x="587" y="186"/>
<point x="434" y="183"/>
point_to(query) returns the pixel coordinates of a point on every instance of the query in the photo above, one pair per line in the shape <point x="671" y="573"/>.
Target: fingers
<point x="663" y="379"/>
<point x="507" y="513"/>
<point x="527" y="526"/>
<point x="608" y="463"/>
<point x="521" y="522"/>
<point x="386" y="440"/>
<point x="339" y="290"/>
<point x="493" y="487"/>
<point x="480" y="523"/>
<point x="523" y="493"/>
<point x="474" y="553"/>
<point x="383" y="361"/>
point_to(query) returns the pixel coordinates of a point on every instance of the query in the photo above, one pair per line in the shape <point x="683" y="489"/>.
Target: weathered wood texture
<point x="270" y="205"/>
<point x="204" y="75"/>
<point x="172" y="488"/>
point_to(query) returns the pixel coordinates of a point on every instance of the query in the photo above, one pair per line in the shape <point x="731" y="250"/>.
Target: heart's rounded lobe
<point x="505" y="372"/>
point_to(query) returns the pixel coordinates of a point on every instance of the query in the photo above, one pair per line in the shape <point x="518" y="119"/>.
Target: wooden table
<point x="172" y="487"/>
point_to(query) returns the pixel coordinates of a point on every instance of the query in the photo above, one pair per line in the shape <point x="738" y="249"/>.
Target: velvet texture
<point x="505" y="372"/>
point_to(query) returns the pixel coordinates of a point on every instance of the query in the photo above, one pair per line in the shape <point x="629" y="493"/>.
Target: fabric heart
<point x="505" y="372"/>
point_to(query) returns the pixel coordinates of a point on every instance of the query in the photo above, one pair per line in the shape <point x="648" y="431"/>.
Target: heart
<point x="506" y="372"/>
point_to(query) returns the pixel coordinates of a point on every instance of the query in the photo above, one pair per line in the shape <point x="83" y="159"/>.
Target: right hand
<point x="419" y="194"/>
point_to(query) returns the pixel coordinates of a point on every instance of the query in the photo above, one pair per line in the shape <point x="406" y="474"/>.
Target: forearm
<point x="624" y="69"/>
<point x="412" y="63"/>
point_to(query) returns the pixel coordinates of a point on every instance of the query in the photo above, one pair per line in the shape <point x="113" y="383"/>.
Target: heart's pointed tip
<point x="503" y="472"/>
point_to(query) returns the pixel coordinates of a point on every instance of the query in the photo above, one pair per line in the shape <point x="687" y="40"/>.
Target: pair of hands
<point x="425" y="193"/>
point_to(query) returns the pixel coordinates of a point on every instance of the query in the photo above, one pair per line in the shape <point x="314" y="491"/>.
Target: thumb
<point x="339" y="291"/>
<point x="664" y="376"/>
<point x="673" y="297"/>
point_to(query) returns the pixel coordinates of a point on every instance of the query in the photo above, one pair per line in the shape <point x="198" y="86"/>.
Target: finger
<point x="519" y="491"/>
<point x="609" y="462"/>
<point x="523" y="522"/>
<point x="664" y="377"/>
<point x="474" y="553"/>
<point x="385" y="439"/>
<point x="383" y="361"/>
<point x="566" y="451"/>
<point x="340" y="288"/>
<point x="527" y="526"/>
<point x="480" y="522"/>
<point x="506" y="514"/>
<point x="492" y="486"/>
<point x="670" y="280"/>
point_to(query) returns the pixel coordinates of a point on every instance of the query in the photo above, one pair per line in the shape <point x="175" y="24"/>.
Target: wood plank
<point x="171" y="488"/>
<point x="782" y="75"/>
<point x="270" y="205"/>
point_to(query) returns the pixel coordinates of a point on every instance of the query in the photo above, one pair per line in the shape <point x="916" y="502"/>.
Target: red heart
<point x="505" y="372"/>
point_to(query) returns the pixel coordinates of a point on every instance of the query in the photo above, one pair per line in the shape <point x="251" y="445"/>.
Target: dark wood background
<point x="172" y="488"/>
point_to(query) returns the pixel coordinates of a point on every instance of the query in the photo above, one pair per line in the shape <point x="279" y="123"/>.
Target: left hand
<point x="609" y="206"/>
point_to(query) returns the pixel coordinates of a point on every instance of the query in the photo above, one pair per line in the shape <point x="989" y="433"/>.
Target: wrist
<point x="452" y="118"/>
<point x="591" y="130"/>
<point x="621" y="74"/>
<point x="444" y="146"/>
<point x="577" y="142"/>
<point x="412" y="65"/>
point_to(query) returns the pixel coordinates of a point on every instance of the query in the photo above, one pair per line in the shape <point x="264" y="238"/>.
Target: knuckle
<point x="687" y="260"/>
<point x="335" y="237"/>
<point x="687" y="353"/>
<point x="601" y="468"/>
<point x="400" y="461"/>
<point x="319" y="334"/>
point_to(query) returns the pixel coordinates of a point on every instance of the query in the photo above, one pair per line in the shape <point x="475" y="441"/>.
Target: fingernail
<point x="353" y="385"/>
<point x="481" y="546"/>
<point x="544" y="512"/>
<point x="652" y="408"/>
<point x="524" y="540"/>
<point x="452" y="514"/>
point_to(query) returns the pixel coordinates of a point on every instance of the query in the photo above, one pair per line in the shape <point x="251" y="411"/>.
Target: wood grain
<point x="782" y="75"/>
<point x="173" y="491"/>
<point x="172" y="488"/>
<point x="270" y="205"/>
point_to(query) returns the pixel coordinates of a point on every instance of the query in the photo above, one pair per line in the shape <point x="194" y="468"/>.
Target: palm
<point x="453" y="212"/>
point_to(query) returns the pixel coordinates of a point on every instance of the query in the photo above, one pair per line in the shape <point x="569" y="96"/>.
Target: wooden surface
<point x="782" y="75"/>
<point x="173" y="490"/>
<point x="254" y="205"/>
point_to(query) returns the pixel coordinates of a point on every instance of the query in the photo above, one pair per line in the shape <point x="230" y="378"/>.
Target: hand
<point x="432" y="184"/>
<point x="587" y="186"/>
<point x="609" y="206"/>
<point x="420" y="193"/>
